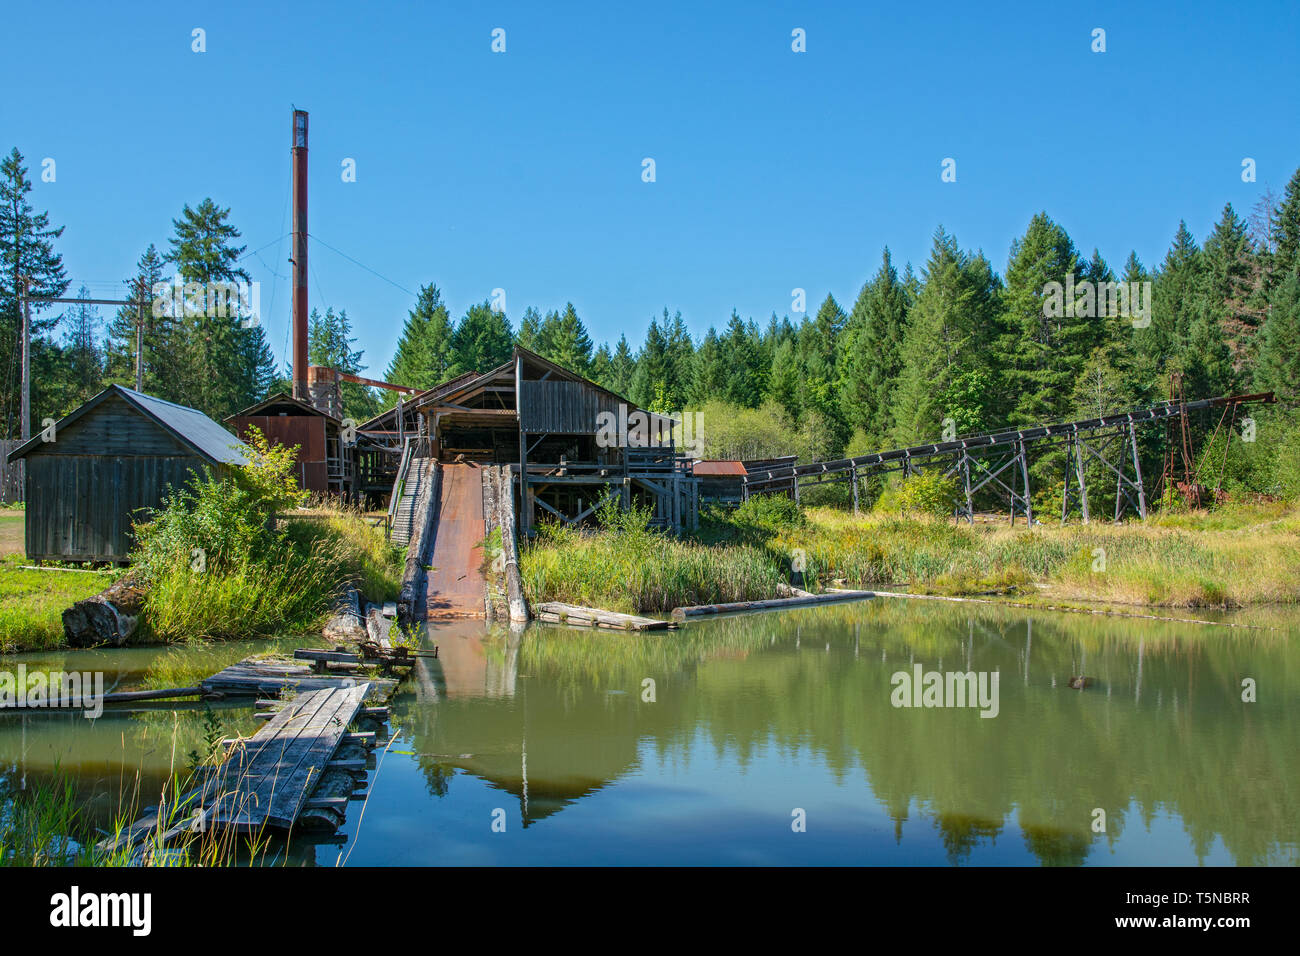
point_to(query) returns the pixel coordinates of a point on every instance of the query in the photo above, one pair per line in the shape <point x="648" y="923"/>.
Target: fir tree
<point x="26" y="252"/>
<point x="425" y="356"/>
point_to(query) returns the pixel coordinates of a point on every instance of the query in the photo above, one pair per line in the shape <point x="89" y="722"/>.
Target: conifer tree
<point x="26" y="252"/>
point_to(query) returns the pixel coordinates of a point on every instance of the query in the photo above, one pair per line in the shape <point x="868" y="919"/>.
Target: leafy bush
<point x="772" y="512"/>
<point x="924" y="493"/>
<point x="216" y="561"/>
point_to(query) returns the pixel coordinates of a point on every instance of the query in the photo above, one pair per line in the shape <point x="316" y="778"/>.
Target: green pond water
<point x="775" y="739"/>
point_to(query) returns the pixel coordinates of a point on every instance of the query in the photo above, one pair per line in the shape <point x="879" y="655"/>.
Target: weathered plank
<point x="269" y="781"/>
<point x="557" y="612"/>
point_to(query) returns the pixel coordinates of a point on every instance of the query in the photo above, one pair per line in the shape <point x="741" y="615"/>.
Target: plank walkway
<point x="267" y="677"/>
<point x="266" y="782"/>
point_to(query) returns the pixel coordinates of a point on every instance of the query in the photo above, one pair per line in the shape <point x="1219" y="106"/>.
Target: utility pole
<point x="139" y="336"/>
<point x="25" y="405"/>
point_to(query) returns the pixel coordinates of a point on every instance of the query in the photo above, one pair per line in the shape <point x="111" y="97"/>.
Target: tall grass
<point x="288" y="588"/>
<point x="627" y="566"/>
<point x="1236" y="556"/>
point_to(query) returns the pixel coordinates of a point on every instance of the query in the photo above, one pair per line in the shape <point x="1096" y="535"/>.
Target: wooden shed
<point x="324" y="460"/>
<point x="114" y="455"/>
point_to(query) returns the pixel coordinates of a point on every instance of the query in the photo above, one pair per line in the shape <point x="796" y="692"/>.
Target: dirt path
<point x="456" y="584"/>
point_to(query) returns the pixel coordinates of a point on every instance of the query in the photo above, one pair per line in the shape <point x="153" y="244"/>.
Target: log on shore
<point x="377" y="626"/>
<point x="109" y="617"/>
<point x="346" y="626"/>
<point x="772" y="604"/>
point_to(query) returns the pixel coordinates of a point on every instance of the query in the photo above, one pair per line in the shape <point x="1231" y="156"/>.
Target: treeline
<point x="957" y="346"/>
<point x="952" y="347"/>
<point x="217" y="363"/>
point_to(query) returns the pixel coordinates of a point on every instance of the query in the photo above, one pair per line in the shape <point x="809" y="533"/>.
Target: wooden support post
<point x="1083" y="484"/>
<point x="1119" y="479"/>
<point x="965" y="474"/>
<point x="1137" y="470"/>
<point x="1024" y="471"/>
<point x="1065" y="494"/>
<point x="854" y="472"/>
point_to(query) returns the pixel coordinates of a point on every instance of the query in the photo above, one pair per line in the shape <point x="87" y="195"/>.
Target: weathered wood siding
<point x="84" y="488"/>
<point x="563" y="407"/>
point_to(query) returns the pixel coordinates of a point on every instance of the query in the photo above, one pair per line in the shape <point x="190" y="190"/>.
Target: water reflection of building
<point x="547" y="755"/>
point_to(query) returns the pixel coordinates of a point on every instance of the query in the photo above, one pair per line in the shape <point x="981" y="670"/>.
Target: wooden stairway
<point x="412" y="483"/>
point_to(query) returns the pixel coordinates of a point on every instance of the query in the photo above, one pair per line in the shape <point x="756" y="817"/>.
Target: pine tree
<point x="1278" y="369"/>
<point x="329" y="344"/>
<point x="709" y="373"/>
<point x="948" y="334"/>
<point x="425" y="356"/>
<point x="869" y="361"/>
<point x="1045" y="339"/>
<point x="745" y="378"/>
<point x="622" y="368"/>
<point x="652" y="372"/>
<point x="565" y="341"/>
<point x="159" y="334"/>
<point x="602" y="364"/>
<point x="530" y="329"/>
<point x="1230" y="287"/>
<point x="224" y="361"/>
<point x="85" y="366"/>
<point x="1286" y="232"/>
<point x="483" y="339"/>
<point x="26" y="251"/>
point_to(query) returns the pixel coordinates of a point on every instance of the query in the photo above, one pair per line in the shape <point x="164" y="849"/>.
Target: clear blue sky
<point x="522" y="170"/>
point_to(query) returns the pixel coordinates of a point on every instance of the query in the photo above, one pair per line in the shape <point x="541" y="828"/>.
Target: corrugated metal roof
<point x="192" y="426"/>
<point x="723" y="468"/>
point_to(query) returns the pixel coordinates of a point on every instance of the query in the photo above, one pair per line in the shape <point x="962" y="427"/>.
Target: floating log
<point x="788" y="590"/>
<point x="109" y="617"/>
<point x="123" y="697"/>
<point x="771" y="604"/>
<point x="557" y="613"/>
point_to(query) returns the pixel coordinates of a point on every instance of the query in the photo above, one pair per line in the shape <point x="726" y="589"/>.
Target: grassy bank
<point x="1236" y="556"/>
<point x="287" y="586"/>
<point x="32" y="603"/>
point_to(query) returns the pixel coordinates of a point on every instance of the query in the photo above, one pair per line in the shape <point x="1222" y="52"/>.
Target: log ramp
<point x="504" y="597"/>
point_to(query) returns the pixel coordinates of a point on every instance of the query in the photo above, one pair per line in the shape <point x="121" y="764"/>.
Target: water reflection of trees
<point x="1162" y="730"/>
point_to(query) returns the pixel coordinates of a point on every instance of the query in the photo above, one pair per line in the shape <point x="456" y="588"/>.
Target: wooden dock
<point x="556" y="613"/>
<point x="269" y="677"/>
<point x="266" y="781"/>
<point x="291" y="768"/>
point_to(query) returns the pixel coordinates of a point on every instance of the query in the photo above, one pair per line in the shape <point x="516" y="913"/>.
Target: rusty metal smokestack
<point x="299" y="151"/>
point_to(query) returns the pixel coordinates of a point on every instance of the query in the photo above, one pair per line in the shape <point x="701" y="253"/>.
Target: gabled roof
<point x="281" y="398"/>
<point x="188" y="425"/>
<point x="418" y="398"/>
<point x="470" y="381"/>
